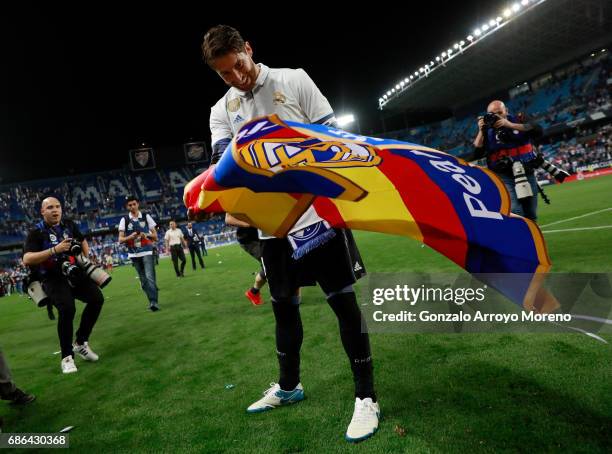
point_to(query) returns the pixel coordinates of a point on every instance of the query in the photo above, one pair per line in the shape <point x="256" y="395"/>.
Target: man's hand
<point x="234" y="221"/>
<point x="201" y="216"/>
<point x="502" y="123"/>
<point x="64" y="246"/>
<point x="480" y="123"/>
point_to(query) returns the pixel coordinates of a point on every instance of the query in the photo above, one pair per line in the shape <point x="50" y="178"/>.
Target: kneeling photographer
<point x="56" y="253"/>
<point x="506" y="142"/>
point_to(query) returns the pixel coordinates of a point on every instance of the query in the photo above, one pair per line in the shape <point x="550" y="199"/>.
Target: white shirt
<point x="150" y="223"/>
<point x="174" y="236"/>
<point x="289" y="93"/>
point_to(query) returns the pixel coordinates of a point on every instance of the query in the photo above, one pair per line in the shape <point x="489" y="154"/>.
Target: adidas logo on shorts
<point x="357" y="267"/>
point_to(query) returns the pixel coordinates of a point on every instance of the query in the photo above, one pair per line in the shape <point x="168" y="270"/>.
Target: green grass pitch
<point x="160" y="383"/>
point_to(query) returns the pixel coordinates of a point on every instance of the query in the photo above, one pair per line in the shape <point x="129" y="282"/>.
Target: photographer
<point x="137" y="230"/>
<point x="53" y="252"/>
<point x="506" y="142"/>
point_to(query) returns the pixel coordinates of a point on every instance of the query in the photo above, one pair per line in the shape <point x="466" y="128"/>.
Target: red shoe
<point x="255" y="299"/>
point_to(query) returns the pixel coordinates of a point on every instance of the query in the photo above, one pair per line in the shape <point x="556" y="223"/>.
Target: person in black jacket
<point x="50" y="253"/>
<point x="194" y="243"/>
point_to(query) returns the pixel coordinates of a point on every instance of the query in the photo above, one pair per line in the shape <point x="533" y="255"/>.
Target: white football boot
<point x="276" y="397"/>
<point x="364" y="423"/>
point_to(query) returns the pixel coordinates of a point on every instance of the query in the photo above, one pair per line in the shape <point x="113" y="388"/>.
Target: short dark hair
<point x="131" y="198"/>
<point x="221" y="40"/>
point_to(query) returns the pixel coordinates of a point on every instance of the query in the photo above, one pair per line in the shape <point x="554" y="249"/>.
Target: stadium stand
<point x="96" y="202"/>
<point x="574" y="95"/>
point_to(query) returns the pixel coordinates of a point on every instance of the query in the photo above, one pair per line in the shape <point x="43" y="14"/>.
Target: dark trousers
<point x="63" y="295"/>
<point x="177" y="253"/>
<point x="193" y="251"/>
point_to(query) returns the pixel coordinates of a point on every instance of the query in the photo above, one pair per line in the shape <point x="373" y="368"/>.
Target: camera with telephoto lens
<point x="37" y="294"/>
<point x="94" y="272"/>
<point x="558" y="174"/>
<point x="75" y="248"/>
<point x="71" y="271"/>
<point x="503" y="135"/>
<point x="68" y="268"/>
<point x="521" y="185"/>
<point x="490" y="119"/>
<point x="36" y="291"/>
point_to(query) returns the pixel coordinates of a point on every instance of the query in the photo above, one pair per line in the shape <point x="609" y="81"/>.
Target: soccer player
<point x="248" y="239"/>
<point x="141" y="235"/>
<point x="175" y="241"/>
<point x="256" y="90"/>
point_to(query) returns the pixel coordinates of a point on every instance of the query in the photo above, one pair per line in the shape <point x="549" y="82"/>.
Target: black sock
<point x="289" y="335"/>
<point x="254" y="290"/>
<point x="356" y="344"/>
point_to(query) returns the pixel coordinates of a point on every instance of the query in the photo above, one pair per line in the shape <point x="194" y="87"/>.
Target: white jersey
<point x="289" y="93"/>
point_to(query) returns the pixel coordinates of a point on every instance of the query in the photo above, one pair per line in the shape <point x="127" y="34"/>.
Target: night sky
<point x="79" y="87"/>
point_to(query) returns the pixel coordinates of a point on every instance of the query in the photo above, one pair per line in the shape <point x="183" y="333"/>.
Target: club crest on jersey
<point x="142" y="224"/>
<point x="52" y="238"/>
<point x="276" y="155"/>
<point x="279" y="98"/>
<point x="233" y="105"/>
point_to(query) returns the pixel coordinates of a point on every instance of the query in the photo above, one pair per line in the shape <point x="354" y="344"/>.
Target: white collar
<point x="135" y="218"/>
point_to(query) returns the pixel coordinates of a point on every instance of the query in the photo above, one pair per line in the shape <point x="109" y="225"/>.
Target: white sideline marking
<point x="593" y="319"/>
<point x="577" y="229"/>
<point x="580" y="330"/>
<point x="576" y="217"/>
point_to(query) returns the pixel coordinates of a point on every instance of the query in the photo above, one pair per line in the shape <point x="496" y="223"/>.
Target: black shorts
<point x="329" y="265"/>
<point x="246" y="235"/>
<point x="354" y="254"/>
<point x="253" y="248"/>
<point x="248" y="239"/>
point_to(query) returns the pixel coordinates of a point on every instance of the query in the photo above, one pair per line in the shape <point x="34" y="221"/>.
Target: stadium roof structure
<point x="551" y="33"/>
